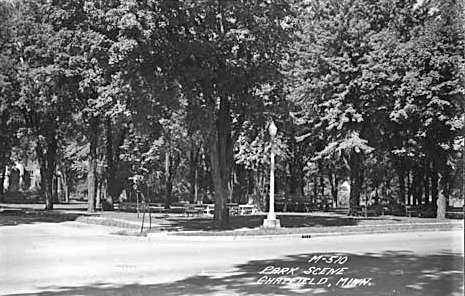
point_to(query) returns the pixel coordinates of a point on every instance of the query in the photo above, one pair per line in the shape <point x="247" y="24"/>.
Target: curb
<point x="167" y="236"/>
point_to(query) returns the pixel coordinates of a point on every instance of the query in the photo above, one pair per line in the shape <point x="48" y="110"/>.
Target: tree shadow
<point x="390" y="273"/>
<point x="18" y="216"/>
<point x="254" y="221"/>
<point x="22" y="197"/>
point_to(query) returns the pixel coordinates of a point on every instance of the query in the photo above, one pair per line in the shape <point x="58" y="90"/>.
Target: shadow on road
<point x="391" y="273"/>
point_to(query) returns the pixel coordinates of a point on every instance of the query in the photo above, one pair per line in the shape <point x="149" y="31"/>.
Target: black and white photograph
<point x="232" y="147"/>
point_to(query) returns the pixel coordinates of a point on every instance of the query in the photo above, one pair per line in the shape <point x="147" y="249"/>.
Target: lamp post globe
<point x="272" y="129"/>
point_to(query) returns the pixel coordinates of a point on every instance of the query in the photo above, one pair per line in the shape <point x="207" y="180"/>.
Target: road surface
<point x="71" y="258"/>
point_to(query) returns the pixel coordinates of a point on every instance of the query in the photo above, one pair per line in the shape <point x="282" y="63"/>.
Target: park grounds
<point x="179" y="224"/>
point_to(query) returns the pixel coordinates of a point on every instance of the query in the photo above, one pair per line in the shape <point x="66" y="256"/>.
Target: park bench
<point x="427" y="211"/>
<point x="394" y="209"/>
<point x="340" y="210"/>
<point x="369" y="211"/>
<point x="176" y="208"/>
<point x="280" y="205"/>
<point x="363" y="211"/>
<point x="357" y="211"/>
<point x="311" y="208"/>
<point x="193" y="210"/>
<point x="157" y="207"/>
<point x="376" y="209"/>
<point x="411" y="211"/>
<point x="128" y="206"/>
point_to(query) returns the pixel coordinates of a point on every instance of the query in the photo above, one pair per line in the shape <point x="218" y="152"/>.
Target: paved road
<point x="77" y="259"/>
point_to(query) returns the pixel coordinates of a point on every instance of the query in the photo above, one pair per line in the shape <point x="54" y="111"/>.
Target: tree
<point x="10" y="117"/>
<point x="429" y="97"/>
<point x="48" y="80"/>
<point x="341" y="69"/>
<point x="227" y="50"/>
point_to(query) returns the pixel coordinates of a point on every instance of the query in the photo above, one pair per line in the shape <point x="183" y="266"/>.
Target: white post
<point x="271" y="221"/>
<point x="271" y="213"/>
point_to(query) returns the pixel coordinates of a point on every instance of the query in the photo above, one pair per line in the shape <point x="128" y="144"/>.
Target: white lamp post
<point x="271" y="221"/>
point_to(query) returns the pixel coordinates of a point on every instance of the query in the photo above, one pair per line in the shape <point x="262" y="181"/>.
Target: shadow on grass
<point x="254" y="221"/>
<point x="18" y="216"/>
<point x="391" y="273"/>
<point x="22" y="197"/>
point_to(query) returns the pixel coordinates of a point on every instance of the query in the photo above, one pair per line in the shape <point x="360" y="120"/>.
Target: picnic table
<point x="363" y="211"/>
<point x="208" y="209"/>
<point x="247" y="209"/>
<point x="192" y="209"/>
<point x="128" y="206"/>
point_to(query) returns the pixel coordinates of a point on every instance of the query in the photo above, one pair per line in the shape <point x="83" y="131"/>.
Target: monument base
<point x="271" y="223"/>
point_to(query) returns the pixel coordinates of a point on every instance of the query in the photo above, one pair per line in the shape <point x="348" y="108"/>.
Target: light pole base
<point x="271" y="223"/>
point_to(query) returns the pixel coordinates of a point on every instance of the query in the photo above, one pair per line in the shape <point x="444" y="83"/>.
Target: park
<point x="221" y="147"/>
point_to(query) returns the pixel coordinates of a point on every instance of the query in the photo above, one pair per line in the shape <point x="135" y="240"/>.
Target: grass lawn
<point x="292" y="223"/>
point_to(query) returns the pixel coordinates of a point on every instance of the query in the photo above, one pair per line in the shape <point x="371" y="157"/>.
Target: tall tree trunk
<point x="355" y="180"/>
<point x="47" y="162"/>
<point x="315" y="189"/>
<point x="322" y="186"/>
<point x="60" y="187"/>
<point x="92" y="166"/>
<point x="196" y="186"/>
<point x="301" y="185"/>
<point x="91" y="184"/>
<point x="65" y="185"/>
<point x="414" y="186"/>
<point x="409" y="188"/>
<point x="46" y="185"/>
<point x="98" y="194"/>
<point x="51" y="166"/>
<point x="2" y="179"/>
<point x="218" y="154"/>
<point x="55" y="188"/>
<point x="401" y="180"/>
<point x="434" y="186"/>
<point x="426" y="188"/>
<point x="292" y="179"/>
<point x="426" y="182"/>
<point x="111" y="187"/>
<point x="333" y="181"/>
<point x="442" y="199"/>
<point x="193" y="172"/>
<point x="225" y="143"/>
<point x="417" y="186"/>
<point x="168" y="183"/>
